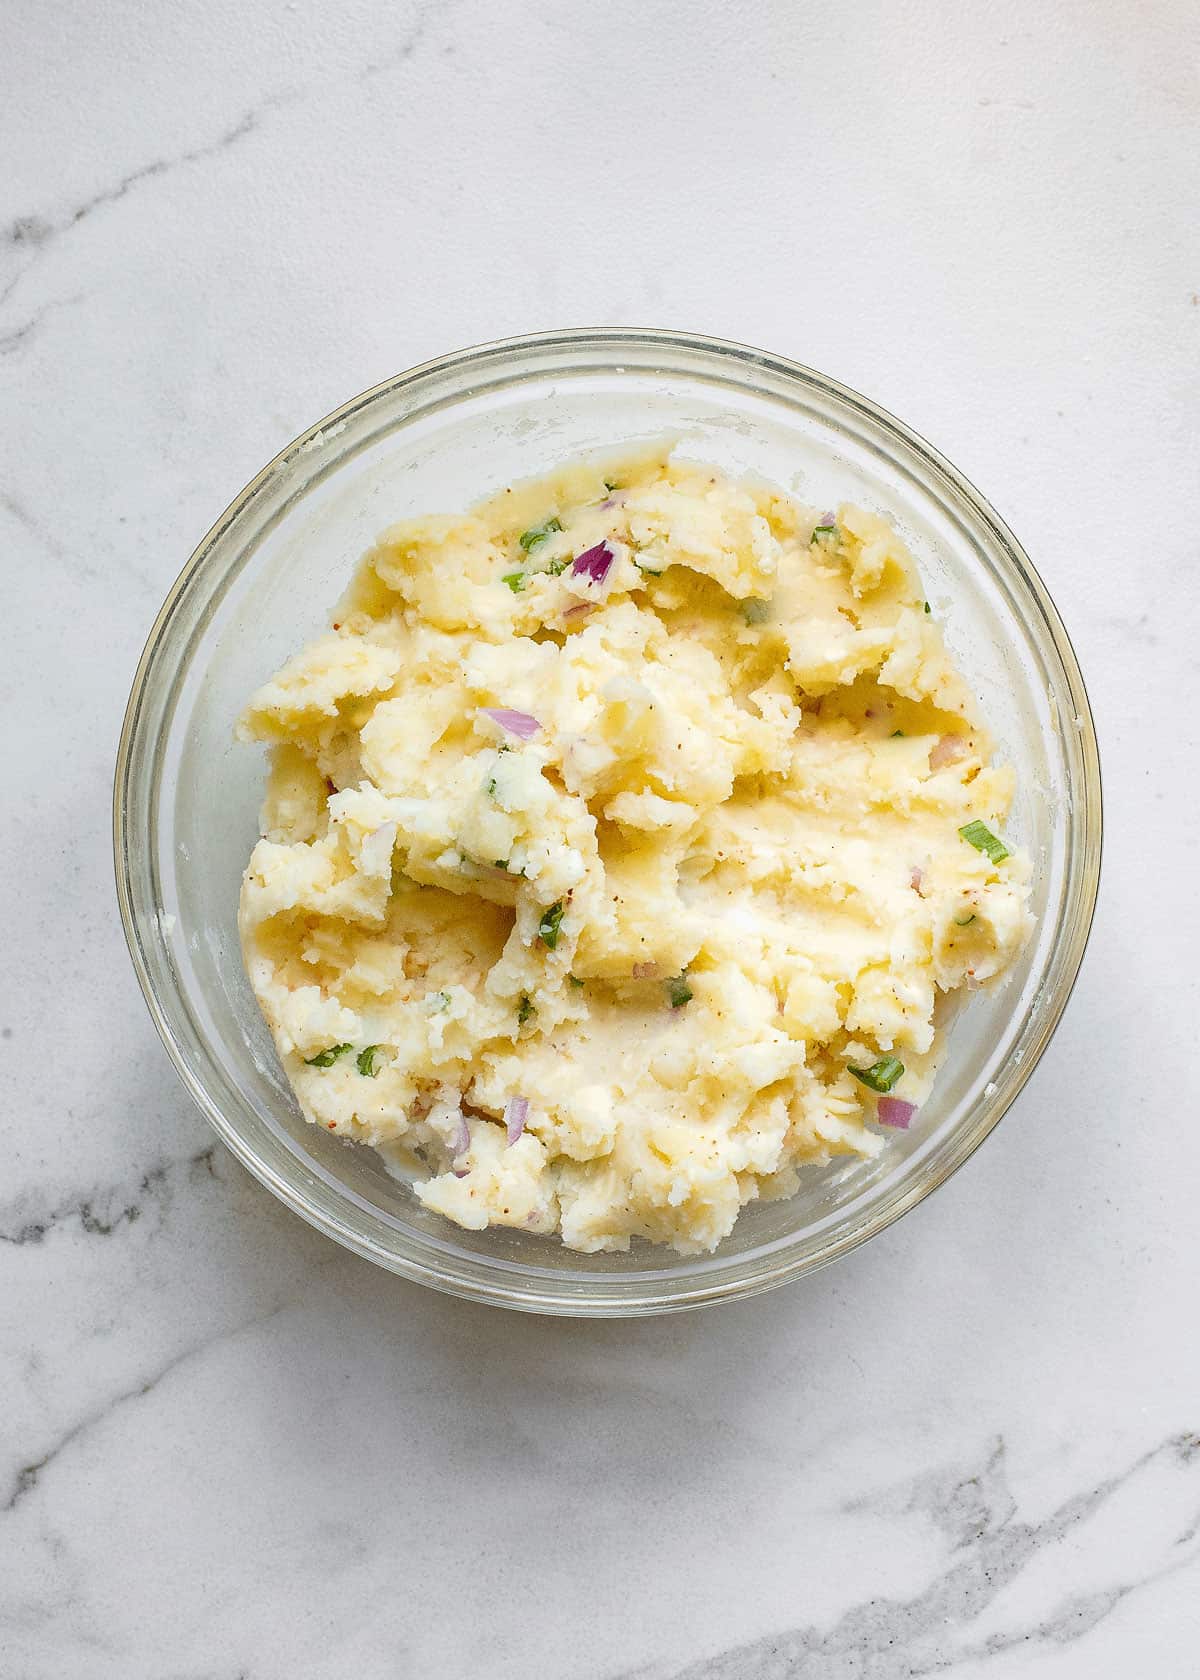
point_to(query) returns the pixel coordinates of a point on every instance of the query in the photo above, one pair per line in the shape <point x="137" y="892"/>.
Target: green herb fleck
<point x="897" y="733"/>
<point x="648" y="570"/>
<point x="576" y="982"/>
<point x="365" y="1060"/>
<point x="823" y="531"/>
<point x="755" y="612"/>
<point x="489" y="787"/>
<point x="549" y="925"/>
<point x="679" y="992"/>
<point x="525" y="1009"/>
<point x="980" y="836"/>
<point x="965" y="921"/>
<point x="881" y="1075"/>
<point x="536" y="534"/>
<point x="501" y="863"/>
<point x="515" y="581"/>
<point x="611" y="484"/>
<point x="928" y="608"/>
<point x="328" y="1057"/>
<point x="556" y="568"/>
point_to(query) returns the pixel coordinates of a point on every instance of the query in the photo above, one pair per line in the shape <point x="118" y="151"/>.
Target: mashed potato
<point x="621" y="838"/>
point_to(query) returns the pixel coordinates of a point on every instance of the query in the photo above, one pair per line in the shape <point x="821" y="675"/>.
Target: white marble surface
<point x="228" y="1449"/>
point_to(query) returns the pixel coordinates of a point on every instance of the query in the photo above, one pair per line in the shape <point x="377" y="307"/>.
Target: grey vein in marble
<point x="23" y="516"/>
<point x="37" y="232"/>
<point x="902" y="1639"/>
<point x="404" y="50"/>
<point x="78" y="570"/>
<point x="20" y="336"/>
<point x="101" y="1212"/>
<point x="27" y="1477"/>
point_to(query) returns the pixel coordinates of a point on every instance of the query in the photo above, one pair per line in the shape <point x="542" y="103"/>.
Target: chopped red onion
<point x="947" y="749"/>
<point x="916" y="879"/>
<point x="894" y="1111"/>
<point x="594" y="563"/>
<point x="515" y="1115"/>
<point x="517" y="723"/>
<point x="581" y="609"/>
<point x="646" y="971"/>
<point x="459" y="1145"/>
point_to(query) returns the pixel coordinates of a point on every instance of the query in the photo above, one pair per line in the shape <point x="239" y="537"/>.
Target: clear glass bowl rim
<point x="747" y="1275"/>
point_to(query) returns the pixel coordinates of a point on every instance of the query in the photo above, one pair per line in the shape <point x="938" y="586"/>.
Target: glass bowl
<point x="262" y="582"/>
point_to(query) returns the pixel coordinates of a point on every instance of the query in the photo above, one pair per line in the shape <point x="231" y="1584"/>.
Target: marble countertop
<point x="229" y="1451"/>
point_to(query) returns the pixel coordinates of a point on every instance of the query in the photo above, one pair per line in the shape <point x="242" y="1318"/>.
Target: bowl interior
<point x="263" y="583"/>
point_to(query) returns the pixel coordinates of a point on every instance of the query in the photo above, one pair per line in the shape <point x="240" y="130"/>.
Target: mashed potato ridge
<point x="612" y="858"/>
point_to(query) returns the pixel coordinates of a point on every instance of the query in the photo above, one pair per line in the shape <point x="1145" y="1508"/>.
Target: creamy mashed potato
<point x="623" y="840"/>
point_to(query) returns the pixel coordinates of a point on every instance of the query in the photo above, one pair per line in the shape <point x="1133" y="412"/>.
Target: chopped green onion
<point x="536" y="534"/>
<point x="515" y="581"/>
<point x="964" y="922"/>
<point x="328" y="1057"/>
<point x="755" y="612"/>
<point x="823" y="530"/>
<point x="881" y="1075"/>
<point x="525" y="1009"/>
<point x="980" y="836"/>
<point x="549" y="925"/>
<point x="556" y="568"/>
<point x="679" y="992"/>
<point x="928" y="608"/>
<point x="490" y="787"/>
<point x="365" y="1060"/>
<point x="575" y="981"/>
<point x="648" y="570"/>
<point x="896" y="733"/>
